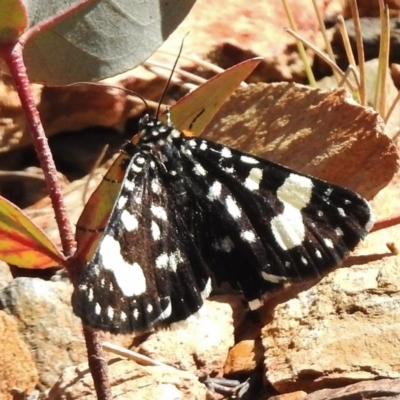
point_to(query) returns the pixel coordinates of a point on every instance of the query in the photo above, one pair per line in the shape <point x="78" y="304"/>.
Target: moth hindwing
<point x="190" y="212"/>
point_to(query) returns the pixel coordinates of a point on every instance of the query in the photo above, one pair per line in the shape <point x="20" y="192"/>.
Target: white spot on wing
<point x="192" y="143"/>
<point x="214" y="191"/>
<point x="128" y="185"/>
<point x="252" y="182"/>
<point x="155" y="186"/>
<point x="203" y="146"/>
<point x="255" y="304"/>
<point x="318" y="254"/>
<point x="338" y="231"/>
<point x="341" y="212"/>
<point x="295" y="194"/>
<point x="249" y="236"/>
<point x="226" y="153"/>
<point x="199" y="170"/>
<point x="273" y="278"/>
<point x="129" y="221"/>
<point x="121" y="202"/>
<point x="296" y="190"/>
<point x="232" y="207"/>
<point x="162" y="261"/>
<point x="110" y="313"/>
<point x="248" y="160"/>
<point x="129" y="277"/>
<point x="186" y="151"/>
<point x="174" y="260"/>
<point x="136" y="168"/>
<point x="167" y="312"/>
<point x="329" y="243"/>
<point x="288" y="228"/>
<point x="159" y="212"/>
<point x="97" y="309"/>
<point x="169" y="261"/>
<point x="155" y="231"/>
<point x="175" y="134"/>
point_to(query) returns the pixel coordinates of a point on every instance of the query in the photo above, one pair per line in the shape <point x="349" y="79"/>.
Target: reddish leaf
<point x="95" y="215"/>
<point x="22" y="243"/>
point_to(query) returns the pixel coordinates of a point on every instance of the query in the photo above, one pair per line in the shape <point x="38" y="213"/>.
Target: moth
<point x="192" y="213"/>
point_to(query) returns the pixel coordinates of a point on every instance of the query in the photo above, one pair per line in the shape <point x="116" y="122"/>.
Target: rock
<point x="53" y="334"/>
<point x="5" y="275"/>
<point x="300" y="395"/>
<point x="46" y="324"/>
<point x="200" y="344"/>
<point x="244" y="357"/>
<point x="371" y="78"/>
<point x="325" y="134"/>
<point x="343" y="330"/>
<point x="18" y="373"/>
<point x="131" y="381"/>
<point x="383" y="389"/>
<point x="371" y="31"/>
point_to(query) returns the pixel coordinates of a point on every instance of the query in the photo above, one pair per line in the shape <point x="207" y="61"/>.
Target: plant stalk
<point x="13" y="57"/>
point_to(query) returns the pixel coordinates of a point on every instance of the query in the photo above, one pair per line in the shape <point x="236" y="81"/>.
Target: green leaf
<point x="13" y="20"/>
<point x="24" y="244"/>
<point x="99" y="40"/>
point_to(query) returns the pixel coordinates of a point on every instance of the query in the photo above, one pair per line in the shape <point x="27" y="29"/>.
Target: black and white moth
<point x="192" y="213"/>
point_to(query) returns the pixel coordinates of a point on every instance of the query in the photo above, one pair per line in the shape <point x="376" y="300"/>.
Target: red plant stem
<point x="386" y="223"/>
<point x="13" y="57"/>
<point x="97" y="364"/>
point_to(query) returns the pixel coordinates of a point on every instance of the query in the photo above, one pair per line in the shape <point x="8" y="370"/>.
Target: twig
<point x="360" y="51"/>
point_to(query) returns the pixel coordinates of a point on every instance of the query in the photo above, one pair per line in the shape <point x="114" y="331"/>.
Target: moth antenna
<point x="146" y="104"/>
<point x="170" y="76"/>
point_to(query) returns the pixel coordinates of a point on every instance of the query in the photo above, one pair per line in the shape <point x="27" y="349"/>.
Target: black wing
<point x="265" y="224"/>
<point x="146" y="270"/>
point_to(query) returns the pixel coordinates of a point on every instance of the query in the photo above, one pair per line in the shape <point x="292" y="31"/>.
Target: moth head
<point x="152" y="129"/>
